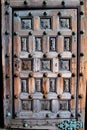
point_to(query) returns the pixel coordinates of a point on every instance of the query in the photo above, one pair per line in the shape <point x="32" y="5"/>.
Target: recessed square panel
<point x="27" y="105"/>
<point x="66" y="44"/>
<point x="26" y="23"/>
<point x="52" y="44"/>
<point x="64" y="105"/>
<point x="46" y="65"/>
<point x="45" y="23"/>
<point x="38" y="44"/>
<point x="27" y="65"/>
<point x="64" y="65"/>
<point x="24" y="44"/>
<point x="38" y="83"/>
<point x="52" y="84"/>
<point x="66" y="85"/>
<point x="24" y="85"/>
<point x="64" y="23"/>
<point x="45" y="105"/>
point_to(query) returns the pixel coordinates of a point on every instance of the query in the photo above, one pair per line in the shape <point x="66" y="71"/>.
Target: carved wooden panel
<point x="41" y="71"/>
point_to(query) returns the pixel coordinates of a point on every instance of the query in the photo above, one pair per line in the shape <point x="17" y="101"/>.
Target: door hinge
<point x="70" y="125"/>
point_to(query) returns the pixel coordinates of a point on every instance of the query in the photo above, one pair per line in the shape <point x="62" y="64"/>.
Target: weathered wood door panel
<point x="41" y="49"/>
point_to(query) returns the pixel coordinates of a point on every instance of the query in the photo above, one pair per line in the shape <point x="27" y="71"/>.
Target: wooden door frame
<point x="83" y="49"/>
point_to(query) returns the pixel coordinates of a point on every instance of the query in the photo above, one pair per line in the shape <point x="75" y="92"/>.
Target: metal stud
<point x="7" y="96"/>
<point x="15" y="96"/>
<point x="81" y="74"/>
<point x="47" y="115"/>
<point x="73" y="33"/>
<point x="73" y="74"/>
<point x="25" y="2"/>
<point x="81" y="54"/>
<point x="7" y="76"/>
<point x="6" y="12"/>
<point x="30" y="33"/>
<point x="81" y="13"/>
<point x="45" y="13"/>
<point x="45" y="74"/>
<point x="30" y="96"/>
<point x="25" y="125"/>
<point x="8" y="114"/>
<point x="59" y="13"/>
<point x="44" y="3"/>
<point x="44" y="33"/>
<point x="81" y="32"/>
<point x="7" y="3"/>
<point x="7" y="55"/>
<point x="80" y="96"/>
<point x="15" y="33"/>
<point x="73" y="55"/>
<point x="7" y="32"/>
<point x="15" y="14"/>
<point x="15" y="55"/>
<point x="72" y="96"/>
<point x="63" y="3"/>
<point x="79" y="114"/>
<point x="30" y="75"/>
<point x="59" y="96"/>
<point x="30" y="55"/>
<point x="45" y="55"/>
<point x="59" y="75"/>
<point x="72" y="115"/>
<point x="59" y="33"/>
<point x="30" y="14"/>
<point x="81" y="3"/>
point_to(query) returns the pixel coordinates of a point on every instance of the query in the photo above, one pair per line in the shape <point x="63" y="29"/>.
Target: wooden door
<point x="43" y="77"/>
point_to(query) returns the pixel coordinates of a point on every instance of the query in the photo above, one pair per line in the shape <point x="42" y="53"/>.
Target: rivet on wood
<point x="15" y="96"/>
<point x="73" y="33"/>
<point x="8" y="114"/>
<point x="59" y="33"/>
<point x="63" y="3"/>
<point x="30" y="97"/>
<point x="30" y="75"/>
<point x="73" y="55"/>
<point x="15" y="14"/>
<point x="30" y="55"/>
<point x="73" y="74"/>
<point x="81" y="3"/>
<point x="59" y="96"/>
<point x="30" y="33"/>
<point x="59" y="13"/>
<point x="81" y="13"/>
<point x="81" y="54"/>
<point x="72" y="115"/>
<point x="15" y="33"/>
<point x="7" y="3"/>
<point x="59" y="75"/>
<point x="7" y="76"/>
<point x="6" y="12"/>
<point x="44" y="3"/>
<point x="79" y="114"/>
<point x="45" y="55"/>
<point x="7" y="96"/>
<point x="44" y="33"/>
<point x="48" y="115"/>
<point x="45" y="13"/>
<point x="25" y="125"/>
<point x="80" y="96"/>
<point x="30" y="14"/>
<point x="81" y="32"/>
<point x="7" y="32"/>
<point x="81" y="74"/>
<point x="25" y="2"/>
<point x="72" y="96"/>
<point x="45" y="74"/>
